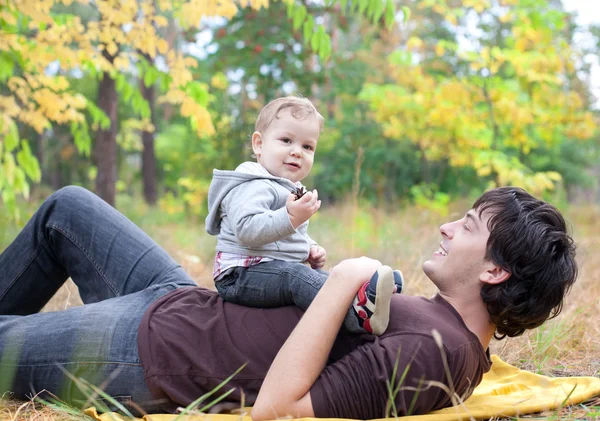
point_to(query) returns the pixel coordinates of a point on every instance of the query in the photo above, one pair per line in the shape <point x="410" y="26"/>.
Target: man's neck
<point x="474" y="313"/>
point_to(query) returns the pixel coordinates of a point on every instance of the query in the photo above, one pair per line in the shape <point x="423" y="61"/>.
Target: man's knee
<point x="71" y="196"/>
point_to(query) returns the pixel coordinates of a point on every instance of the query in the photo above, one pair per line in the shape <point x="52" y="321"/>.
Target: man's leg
<point x="76" y="234"/>
<point x="96" y="343"/>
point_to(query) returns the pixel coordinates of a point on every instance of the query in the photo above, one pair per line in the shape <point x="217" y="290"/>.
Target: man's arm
<point x="285" y="390"/>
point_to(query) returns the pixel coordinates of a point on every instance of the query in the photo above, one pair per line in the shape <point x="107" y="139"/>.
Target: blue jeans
<point x="119" y="272"/>
<point x="275" y="284"/>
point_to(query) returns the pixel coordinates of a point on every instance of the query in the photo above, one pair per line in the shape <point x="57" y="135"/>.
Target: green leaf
<point x="198" y="93"/>
<point x="390" y="13"/>
<point x="153" y="75"/>
<point x="98" y="116"/>
<point x="362" y="5"/>
<point x="164" y="80"/>
<point x="315" y="40"/>
<point x="147" y="80"/>
<point x="290" y="9"/>
<point x="11" y="140"/>
<point x="325" y="47"/>
<point x="135" y="102"/>
<point x="299" y="16"/>
<point x="9" y="168"/>
<point x="405" y="13"/>
<point x="399" y="58"/>
<point x="29" y="163"/>
<point x="371" y="7"/>
<point x="378" y="11"/>
<point x="20" y="184"/>
<point x="309" y="25"/>
<point x="6" y="67"/>
<point x="120" y="83"/>
<point x="81" y="137"/>
<point x="8" y="197"/>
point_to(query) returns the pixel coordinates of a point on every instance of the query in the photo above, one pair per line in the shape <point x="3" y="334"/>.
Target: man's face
<point x="287" y="148"/>
<point x="460" y="260"/>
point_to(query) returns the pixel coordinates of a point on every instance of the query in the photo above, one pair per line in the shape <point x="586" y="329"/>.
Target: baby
<point x="260" y="213"/>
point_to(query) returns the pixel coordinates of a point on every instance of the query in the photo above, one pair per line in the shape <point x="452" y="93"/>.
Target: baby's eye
<point x="308" y="147"/>
<point x="285" y="140"/>
<point x="465" y="226"/>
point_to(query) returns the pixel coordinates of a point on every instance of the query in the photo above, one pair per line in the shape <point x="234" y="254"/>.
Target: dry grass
<point x="31" y="411"/>
<point x="566" y="346"/>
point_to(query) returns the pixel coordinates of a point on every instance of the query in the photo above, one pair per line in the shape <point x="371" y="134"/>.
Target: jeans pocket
<point x="228" y="286"/>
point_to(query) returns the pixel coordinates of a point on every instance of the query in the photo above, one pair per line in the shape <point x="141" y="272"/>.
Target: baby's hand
<point x="317" y="257"/>
<point x="302" y="209"/>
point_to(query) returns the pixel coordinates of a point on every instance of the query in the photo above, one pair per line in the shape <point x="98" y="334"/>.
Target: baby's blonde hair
<point x="300" y="108"/>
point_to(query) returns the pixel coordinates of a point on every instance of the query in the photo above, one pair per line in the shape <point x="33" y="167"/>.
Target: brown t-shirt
<point x="190" y="340"/>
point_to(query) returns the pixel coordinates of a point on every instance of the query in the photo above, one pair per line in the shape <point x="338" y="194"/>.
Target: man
<point x="503" y="268"/>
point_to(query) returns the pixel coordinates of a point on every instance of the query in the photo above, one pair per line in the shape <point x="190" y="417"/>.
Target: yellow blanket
<point x="504" y="391"/>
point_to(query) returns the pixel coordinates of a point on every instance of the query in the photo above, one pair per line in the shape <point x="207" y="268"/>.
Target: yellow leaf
<point x="219" y="81"/>
<point x="162" y="46"/>
<point x="554" y="176"/>
<point x="160" y="21"/>
<point x="121" y="62"/>
<point x="414" y="42"/>
<point x="505" y="18"/>
<point x="439" y="50"/>
<point x="112" y="49"/>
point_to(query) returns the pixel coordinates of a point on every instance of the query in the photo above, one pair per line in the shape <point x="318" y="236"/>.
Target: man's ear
<point x="257" y="143"/>
<point x="494" y="275"/>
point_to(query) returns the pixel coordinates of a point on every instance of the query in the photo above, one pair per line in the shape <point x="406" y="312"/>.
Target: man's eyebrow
<point x="473" y="219"/>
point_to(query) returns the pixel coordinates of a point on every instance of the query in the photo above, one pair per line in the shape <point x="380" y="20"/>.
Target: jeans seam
<point x="92" y="261"/>
<point x="166" y="271"/>
<point x="74" y="362"/>
<point x="307" y="279"/>
<point x="33" y="256"/>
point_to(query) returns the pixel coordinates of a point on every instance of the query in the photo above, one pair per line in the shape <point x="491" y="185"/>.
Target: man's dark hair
<point x="529" y="239"/>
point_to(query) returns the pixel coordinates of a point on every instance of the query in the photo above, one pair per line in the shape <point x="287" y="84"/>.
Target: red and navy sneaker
<point x="372" y="301"/>
<point x="399" y="281"/>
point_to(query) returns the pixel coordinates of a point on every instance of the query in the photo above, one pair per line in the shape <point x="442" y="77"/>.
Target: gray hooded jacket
<point x="247" y="213"/>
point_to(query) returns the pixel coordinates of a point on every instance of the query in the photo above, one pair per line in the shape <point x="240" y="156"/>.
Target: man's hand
<point x="317" y="257"/>
<point x="304" y="354"/>
<point x="354" y="272"/>
<point x="302" y="209"/>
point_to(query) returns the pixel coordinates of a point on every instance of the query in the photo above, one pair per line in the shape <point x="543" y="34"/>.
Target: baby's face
<point x="287" y="148"/>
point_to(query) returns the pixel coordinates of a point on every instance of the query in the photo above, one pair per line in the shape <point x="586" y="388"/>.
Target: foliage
<point x="462" y="96"/>
<point x="493" y="99"/>
<point x="43" y="41"/>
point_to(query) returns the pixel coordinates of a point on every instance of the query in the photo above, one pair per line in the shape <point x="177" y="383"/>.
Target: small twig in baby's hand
<point x="299" y="192"/>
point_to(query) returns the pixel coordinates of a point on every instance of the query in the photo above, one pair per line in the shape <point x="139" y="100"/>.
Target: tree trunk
<point x="148" y="156"/>
<point x="105" y="147"/>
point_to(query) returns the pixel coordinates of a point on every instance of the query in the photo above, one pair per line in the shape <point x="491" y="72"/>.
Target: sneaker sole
<point x="385" y="289"/>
